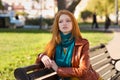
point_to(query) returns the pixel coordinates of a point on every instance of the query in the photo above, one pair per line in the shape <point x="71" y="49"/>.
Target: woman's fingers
<point x="49" y="63"/>
<point x="54" y="65"/>
<point x="46" y="61"/>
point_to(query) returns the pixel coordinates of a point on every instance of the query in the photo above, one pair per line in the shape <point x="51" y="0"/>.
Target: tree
<point x="101" y="7"/>
<point x="68" y="4"/>
<point x="85" y="14"/>
<point x="1" y="6"/>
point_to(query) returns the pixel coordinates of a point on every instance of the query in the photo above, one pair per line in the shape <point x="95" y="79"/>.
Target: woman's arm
<point x="44" y="60"/>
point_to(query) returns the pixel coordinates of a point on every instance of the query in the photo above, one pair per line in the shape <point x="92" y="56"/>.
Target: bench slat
<point x="97" y="52"/>
<point x="109" y="75"/>
<point x="99" y="58"/>
<point x="116" y="77"/>
<point x="31" y="67"/>
<point x="100" y="64"/>
<point x="42" y="74"/>
<point x="97" y="47"/>
<point x="46" y="76"/>
<point x="104" y="69"/>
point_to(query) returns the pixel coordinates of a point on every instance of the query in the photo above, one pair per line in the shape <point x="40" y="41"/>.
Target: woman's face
<point x="65" y="24"/>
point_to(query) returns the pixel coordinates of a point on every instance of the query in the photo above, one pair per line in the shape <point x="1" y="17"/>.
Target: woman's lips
<point x="64" y="27"/>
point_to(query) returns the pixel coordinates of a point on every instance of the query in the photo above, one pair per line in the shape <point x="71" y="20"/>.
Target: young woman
<point x="67" y="52"/>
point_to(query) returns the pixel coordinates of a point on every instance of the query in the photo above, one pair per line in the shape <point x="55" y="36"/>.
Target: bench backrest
<point x="102" y="62"/>
<point x="30" y="73"/>
<point x="99" y="57"/>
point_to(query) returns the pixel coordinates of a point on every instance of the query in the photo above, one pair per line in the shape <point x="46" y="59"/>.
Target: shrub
<point x="85" y="14"/>
<point x="36" y="21"/>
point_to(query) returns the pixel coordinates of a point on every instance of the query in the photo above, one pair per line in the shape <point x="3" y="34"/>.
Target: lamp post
<point x="41" y="15"/>
<point x="116" y="11"/>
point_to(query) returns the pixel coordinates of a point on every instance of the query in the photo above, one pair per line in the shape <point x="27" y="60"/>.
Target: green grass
<point x="20" y="47"/>
<point x="97" y="37"/>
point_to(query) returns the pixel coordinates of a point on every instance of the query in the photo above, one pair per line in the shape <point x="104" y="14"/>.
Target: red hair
<point x="50" y="48"/>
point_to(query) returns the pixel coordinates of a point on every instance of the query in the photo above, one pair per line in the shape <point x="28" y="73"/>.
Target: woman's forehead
<point x="64" y="16"/>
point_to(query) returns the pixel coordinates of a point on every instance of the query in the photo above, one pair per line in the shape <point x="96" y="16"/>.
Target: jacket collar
<point x="78" y="42"/>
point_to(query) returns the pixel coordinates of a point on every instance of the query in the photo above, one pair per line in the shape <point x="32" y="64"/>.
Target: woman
<point x="67" y="52"/>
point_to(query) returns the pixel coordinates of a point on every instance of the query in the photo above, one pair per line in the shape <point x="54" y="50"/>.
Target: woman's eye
<point x="65" y="21"/>
<point x="60" y="21"/>
<point x="68" y="20"/>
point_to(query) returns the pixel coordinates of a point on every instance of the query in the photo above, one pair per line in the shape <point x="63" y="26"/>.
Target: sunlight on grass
<point x="20" y="47"/>
<point x="96" y="38"/>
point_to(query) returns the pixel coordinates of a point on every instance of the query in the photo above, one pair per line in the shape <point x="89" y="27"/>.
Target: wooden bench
<point x="100" y="60"/>
<point x="103" y="63"/>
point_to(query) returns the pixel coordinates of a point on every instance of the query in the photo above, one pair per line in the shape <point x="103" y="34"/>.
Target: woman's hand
<point x="46" y="61"/>
<point x="54" y="65"/>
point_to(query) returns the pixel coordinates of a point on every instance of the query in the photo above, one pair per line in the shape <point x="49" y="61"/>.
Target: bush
<point x="32" y="21"/>
<point x="85" y="14"/>
<point x="36" y="21"/>
<point x="49" y="21"/>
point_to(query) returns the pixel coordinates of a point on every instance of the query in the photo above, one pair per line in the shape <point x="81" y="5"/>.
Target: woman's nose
<point x="64" y="23"/>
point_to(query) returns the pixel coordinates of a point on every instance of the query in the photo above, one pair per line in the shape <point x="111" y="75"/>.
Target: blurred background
<point x="25" y="27"/>
<point x="23" y="13"/>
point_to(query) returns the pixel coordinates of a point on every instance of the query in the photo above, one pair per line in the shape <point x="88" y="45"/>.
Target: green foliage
<point x="119" y="4"/>
<point x="36" y="21"/>
<point x="85" y="14"/>
<point x="32" y="21"/>
<point x="1" y="6"/>
<point x="101" y="7"/>
<point x="49" y="21"/>
<point x="20" y="47"/>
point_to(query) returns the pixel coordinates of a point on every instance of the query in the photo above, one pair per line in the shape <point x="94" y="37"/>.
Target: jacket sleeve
<point x="83" y="65"/>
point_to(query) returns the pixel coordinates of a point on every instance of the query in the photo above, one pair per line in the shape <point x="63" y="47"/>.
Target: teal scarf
<point x="64" y="50"/>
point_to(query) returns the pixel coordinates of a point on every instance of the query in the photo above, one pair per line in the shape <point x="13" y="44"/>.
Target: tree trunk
<point x="62" y="5"/>
<point x="72" y="7"/>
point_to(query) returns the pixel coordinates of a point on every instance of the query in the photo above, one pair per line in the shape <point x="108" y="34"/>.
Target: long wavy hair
<point x="56" y="39"/>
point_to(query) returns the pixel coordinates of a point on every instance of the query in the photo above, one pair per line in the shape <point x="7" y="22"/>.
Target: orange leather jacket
<point x="81" y="68"/>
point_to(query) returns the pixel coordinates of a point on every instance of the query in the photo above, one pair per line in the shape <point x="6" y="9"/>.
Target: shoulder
<point x="85" y="40"/>
<point x="81" y="41"/>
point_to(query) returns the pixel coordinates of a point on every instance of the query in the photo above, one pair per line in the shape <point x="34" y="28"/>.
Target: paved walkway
<point x="114" y="45"/>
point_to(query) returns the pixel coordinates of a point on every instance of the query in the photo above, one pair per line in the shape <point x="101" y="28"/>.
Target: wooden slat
<point x="104" y="69"/>
<point x="98" y="65"/>
<point x="109" y="75"/>
<point x="97" y="47"/>
<point x="46" y="76"/>
<point x="40" y="73"/>
<point x="31" y="67"/>
<point x="116" y="77"/>
<point x="99" y="58"/>
<point x="97" y="52"/>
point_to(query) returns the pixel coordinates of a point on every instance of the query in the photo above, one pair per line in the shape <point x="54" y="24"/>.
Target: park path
<point x="114" y="45"/>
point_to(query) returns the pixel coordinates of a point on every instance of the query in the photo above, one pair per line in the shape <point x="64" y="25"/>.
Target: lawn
<point x="20" y="47"/>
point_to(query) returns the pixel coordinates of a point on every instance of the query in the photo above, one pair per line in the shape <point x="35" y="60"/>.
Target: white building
<point x="46" y="8"/>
